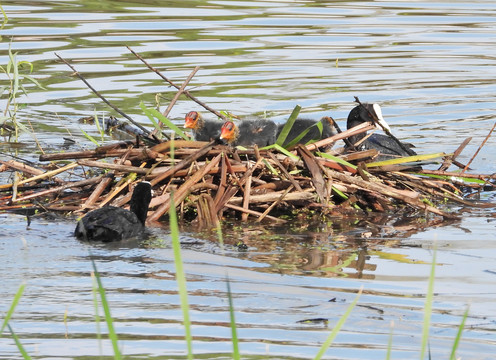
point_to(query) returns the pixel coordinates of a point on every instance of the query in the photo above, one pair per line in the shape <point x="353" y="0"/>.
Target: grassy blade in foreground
<point x="234" y="333"/>
<point x="97" y="315"/>
<point x="390" y="342"/>
<point x="287" y="127"/>
<point x="180" y="278"/>
<point x="297" y="139"/>
<point x="89" y="137"/>
<point x="18" y="343"/>
<point x="106" y="310"/>
<point x="458" y="336"/>
<point x="281" y="150"/>
<point x="336" y="159"/>
<point x="428" y="307"/>
<point x="153" y="113"/>
<point x="407" y="159"/>
<point x="448" y="177"/>
<point x="17" y="297"/>
<point x="337" y="327"/>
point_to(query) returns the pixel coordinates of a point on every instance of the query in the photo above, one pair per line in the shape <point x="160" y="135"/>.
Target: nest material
<point x="206" y="181"/>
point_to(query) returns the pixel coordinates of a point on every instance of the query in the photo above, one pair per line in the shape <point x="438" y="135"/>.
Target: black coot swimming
<point x="203" y="130"/>
<point x="249" y="132"/>
<point x="301" y="124"/>
<point x="388" y="148"/>
<point x="111" y="223"/>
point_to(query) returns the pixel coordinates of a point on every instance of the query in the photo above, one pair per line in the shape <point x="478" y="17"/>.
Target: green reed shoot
<point x="154" y="115"/>
<point x="9" y="314"/>
<point x="97" y="314"/>
<point x="15" y="301"/>
<point x="180" y="277"/>
<point x="5" y="19"/>
<point x="234" y="332"/>
<point x="390" y="342"/>
<point x="23" y="351"/>
<point x="106" y="310"/>
<point x="287" y="127"/>
<point x="337" y="327"/>
<point x="101" y="131"/>
<point x="429" y="298"/>
<point x="17" y="75"/>
<point x="459" y="335"/>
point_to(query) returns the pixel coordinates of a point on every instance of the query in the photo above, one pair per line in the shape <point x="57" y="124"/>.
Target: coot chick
<point x="301" y="124"/>
<point x="387" y="147"/>
<point x="249" y="132"/>
<point x="203" y="130"/>
<point x="111" y="223"/>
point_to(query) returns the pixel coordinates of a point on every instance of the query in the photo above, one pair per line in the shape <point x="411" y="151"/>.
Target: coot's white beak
<point x="380" y="119"/>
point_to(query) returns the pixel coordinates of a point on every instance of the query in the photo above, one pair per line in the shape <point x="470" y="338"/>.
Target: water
<point x="430" y="66"/>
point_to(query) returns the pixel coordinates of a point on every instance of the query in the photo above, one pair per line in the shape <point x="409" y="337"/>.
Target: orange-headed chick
<point x="203" y="130"/>
<point x="249" y="132"/>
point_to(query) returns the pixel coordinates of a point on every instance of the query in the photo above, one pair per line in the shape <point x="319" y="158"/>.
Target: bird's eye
<point x="192" y="115"/>
<point x="228" y="126"/>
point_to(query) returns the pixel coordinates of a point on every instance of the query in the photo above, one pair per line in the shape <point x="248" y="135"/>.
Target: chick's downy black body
<point x="250" y="132"/>
<point x="111" y="223"/>
<point x="313" y="134"/>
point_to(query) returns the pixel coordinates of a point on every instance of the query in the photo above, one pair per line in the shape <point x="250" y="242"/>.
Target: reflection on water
<point x="428" y="64"/>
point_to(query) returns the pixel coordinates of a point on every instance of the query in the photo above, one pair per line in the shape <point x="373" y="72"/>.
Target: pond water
<point x="431" y="66"/>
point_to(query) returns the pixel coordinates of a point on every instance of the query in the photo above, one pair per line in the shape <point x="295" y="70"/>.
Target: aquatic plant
<point x="17" y="73"/>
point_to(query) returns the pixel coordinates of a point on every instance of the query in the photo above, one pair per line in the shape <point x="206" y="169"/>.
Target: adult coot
<point x="301" y="124"/>
<point x="111" y="223"/>
<point x="388" y="147"/>
<point x="203" y="130"/>
<point x="249" y="132"/>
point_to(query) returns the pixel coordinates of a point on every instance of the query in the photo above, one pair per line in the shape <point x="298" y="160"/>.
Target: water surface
<point x="429" y="65"/>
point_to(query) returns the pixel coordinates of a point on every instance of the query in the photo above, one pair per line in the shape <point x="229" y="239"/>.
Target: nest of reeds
<point x="207" y="181"/>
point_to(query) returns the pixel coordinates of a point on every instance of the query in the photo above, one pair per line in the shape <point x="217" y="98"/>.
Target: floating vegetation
<point x="206" y="181"/>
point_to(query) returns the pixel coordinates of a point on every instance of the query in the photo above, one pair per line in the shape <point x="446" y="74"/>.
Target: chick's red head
<point x="228" y="131"/>
<point x="191" y="120"/>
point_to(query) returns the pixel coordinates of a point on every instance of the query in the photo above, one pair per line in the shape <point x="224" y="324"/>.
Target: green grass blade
<point x="390" y="342"/>
<point x="10" y="312"/>
<point x="281" y="150"/>
<point x="340" y="193"/>
<point x="5" y="18"/>
<point x="150" y="116"/>
<point x="429" y="298"/>
<point x="106" y="311"/>
<point x="407" y="159"/>
<point x="180" y="277"/>
<point x="97" y="314"/>
<point x="270" y="167"/>
<point x="336" y="159"/>
<point x="153" y="113"/>
<point x="449" y="177"/>
<point x="459" y="335"/>
<point x="234" y="333"/>
<point x="337" y="327"/>
<point x="15" y="72"/>
<point x="99" y="128"/>
<point x="297" y="139"/>
<point x="287" y="127"/>
<point x="89" y="137"/>
<point x="220" y="237"/>
<point x="23" y="351"/>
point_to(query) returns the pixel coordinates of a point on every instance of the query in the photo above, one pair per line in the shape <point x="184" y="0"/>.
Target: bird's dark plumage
<point x="250" y="132"/>
<point x="313" y="134"/>
<point x="111" y="223"/>
<point x="387" y="147"/>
